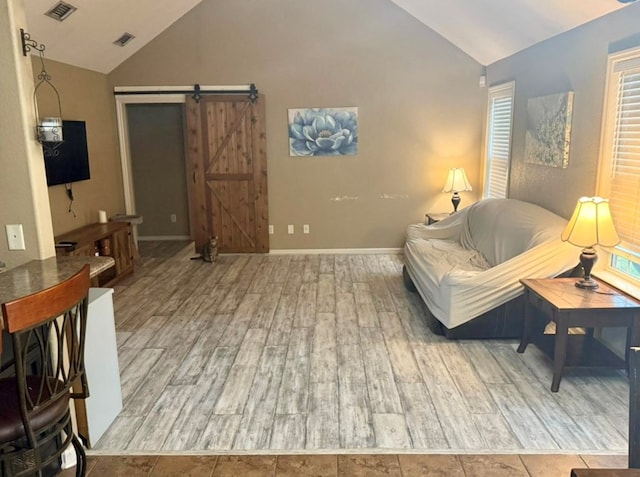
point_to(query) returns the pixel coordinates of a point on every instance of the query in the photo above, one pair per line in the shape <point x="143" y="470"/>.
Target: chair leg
<point x="81" y="466"/>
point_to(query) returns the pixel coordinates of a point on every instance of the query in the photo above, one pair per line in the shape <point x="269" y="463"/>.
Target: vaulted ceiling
<point x="85" y="38"/>
<point x="487" y="30"/>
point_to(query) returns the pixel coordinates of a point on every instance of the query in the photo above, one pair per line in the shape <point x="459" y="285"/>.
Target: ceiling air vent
<point x="61" y="11"/>
<point x="124" y="39"/>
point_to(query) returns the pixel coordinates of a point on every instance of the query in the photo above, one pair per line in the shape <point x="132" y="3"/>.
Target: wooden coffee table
<point x="569" y="306"/>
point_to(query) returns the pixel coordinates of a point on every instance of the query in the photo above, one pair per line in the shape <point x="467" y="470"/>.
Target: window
<point x="619" y="172"/>
<point x="498" y="152"/>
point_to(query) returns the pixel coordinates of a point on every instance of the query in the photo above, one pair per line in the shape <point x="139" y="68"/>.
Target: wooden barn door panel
<point x="227" y="161"/>
<point x="232" y="217"/>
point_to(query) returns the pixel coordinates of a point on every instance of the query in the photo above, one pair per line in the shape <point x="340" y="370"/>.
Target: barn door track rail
<point x="196" y="91"/>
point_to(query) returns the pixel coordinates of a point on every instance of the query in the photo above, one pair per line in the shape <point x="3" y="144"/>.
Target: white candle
<point x="102" y="216"/>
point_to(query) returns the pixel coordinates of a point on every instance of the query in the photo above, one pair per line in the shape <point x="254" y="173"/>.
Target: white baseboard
<point x="149" y="238"/>
<point x="335" y="251"/>
<point x="291" y="251"/>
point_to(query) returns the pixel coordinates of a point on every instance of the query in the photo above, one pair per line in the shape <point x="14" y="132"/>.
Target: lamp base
<point x="589" y="284"/>
<point x="455" y="200"/>
<point x="588" y="258"/>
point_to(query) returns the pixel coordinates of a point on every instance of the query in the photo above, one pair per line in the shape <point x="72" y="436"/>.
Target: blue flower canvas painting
<point x="323" y="132"/>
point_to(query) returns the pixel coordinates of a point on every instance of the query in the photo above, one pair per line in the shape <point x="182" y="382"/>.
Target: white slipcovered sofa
<point x="467" y="267"/>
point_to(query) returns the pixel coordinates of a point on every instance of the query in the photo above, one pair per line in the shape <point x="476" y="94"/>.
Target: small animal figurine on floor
<point x="209" y="251"/>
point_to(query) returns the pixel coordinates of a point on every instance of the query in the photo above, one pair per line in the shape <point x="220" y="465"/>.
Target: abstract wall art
<point x="548" y="133"/>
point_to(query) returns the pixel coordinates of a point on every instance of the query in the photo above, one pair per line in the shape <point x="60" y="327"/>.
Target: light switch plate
<point x="15" y="237"/>
<point x="270" y="229"/>
<point x="290" y="229"/>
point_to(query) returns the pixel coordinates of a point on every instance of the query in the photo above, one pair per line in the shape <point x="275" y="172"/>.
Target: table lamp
<point x="591" y="224"/>
<point x="457" y="182"/>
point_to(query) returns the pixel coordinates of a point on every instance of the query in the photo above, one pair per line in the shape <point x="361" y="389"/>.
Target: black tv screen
<point x="69" y="162"/>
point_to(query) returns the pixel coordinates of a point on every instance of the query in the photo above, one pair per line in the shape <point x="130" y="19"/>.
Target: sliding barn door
<point x="228" y="172"/>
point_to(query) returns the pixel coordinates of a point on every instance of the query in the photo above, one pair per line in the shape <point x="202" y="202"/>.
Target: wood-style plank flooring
<point x="330" y="353"/>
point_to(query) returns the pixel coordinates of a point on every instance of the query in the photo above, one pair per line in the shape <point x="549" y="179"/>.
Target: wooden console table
<point x="113" y="239"/>
<point x="569" y="306"/>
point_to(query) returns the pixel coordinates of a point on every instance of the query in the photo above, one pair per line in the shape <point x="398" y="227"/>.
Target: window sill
<point x="619" y="282"/>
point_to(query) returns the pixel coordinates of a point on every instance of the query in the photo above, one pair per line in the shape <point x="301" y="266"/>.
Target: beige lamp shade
<point x="591" y="224"/>
<point x="457" y="181"/>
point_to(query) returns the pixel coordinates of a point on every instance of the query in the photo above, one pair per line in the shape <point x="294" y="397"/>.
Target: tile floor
<point x="358" y="465"/>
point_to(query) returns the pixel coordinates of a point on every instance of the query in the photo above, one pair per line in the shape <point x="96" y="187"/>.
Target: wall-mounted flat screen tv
<point x="69" y="162"/>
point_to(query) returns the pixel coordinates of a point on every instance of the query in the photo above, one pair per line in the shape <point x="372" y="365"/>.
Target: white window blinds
<point x="498" y="153"/>
<point x="624" y="187"/>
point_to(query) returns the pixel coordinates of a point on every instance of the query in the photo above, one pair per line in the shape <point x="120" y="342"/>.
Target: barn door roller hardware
<point x="198" y="92"/>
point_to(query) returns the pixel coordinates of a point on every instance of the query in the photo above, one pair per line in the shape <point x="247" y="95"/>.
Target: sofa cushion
<point x="440" y="258"/>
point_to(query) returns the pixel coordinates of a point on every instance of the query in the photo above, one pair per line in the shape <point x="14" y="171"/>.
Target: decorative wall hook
<point x="28" y="43"/>
<point x="49" y="129"/>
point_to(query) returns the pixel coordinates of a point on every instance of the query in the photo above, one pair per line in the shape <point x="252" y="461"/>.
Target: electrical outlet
<point x="174" y="218"/>
<point x="290" y="229"/>
<point x="305" y="229"/>
<point x="15" y="237"/>
<point x="270" y="229"/>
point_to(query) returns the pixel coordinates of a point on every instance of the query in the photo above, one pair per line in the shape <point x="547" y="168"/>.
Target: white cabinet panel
<point x="101" y="362"/>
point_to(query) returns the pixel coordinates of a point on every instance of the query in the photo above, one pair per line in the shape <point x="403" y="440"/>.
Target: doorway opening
<point x="205" y="155"/>
<point x="139" y="144"/>
<point x="158" y="170"/>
